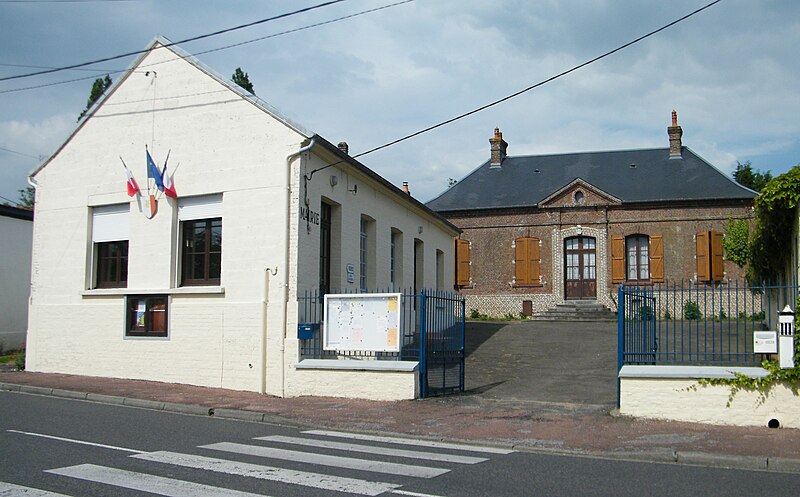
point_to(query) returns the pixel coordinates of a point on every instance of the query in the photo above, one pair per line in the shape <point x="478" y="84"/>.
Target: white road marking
<point x="409" y="441"/>
<point x="315" y="480"/>
<point x="412" y="494"/>
<point x="71" y="440"/>
<point x="326" y="460"/>
<point x="370" y="449"/>
<point x="11" y="490"/>
<point x="146" y="483"/>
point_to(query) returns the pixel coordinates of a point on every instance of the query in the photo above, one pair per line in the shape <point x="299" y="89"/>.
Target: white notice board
<point x="362" y="321"/>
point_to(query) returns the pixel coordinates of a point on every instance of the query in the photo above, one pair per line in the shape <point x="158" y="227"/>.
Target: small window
<point x="147" y="316"/>
<point x="527" y="262"/>
<point x="637" y="249"/>
<point x="112" y="264"/>
<point x="202" y="252"/>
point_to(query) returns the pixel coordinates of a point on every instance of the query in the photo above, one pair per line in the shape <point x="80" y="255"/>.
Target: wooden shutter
<point x="534" y="261"/>
<point x="717" y="252"/>
<point x="522" y="275"/>
<point x="617" y="259"/>
<point x="463" y="277"/>
<point x="703" y="261"/>
<point x="656" y="259"/>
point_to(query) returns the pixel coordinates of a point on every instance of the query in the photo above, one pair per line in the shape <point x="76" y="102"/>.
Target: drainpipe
<point x="284" y="279"/>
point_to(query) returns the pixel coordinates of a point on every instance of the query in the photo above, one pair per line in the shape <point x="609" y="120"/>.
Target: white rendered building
<point x="203" y="289"/>
<point x="16" y="234"/>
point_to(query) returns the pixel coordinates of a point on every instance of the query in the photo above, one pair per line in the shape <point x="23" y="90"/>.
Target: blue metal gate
<point x="441" y="355"/>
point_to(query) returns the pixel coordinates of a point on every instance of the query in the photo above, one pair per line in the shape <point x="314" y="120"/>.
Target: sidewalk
<point x="537" y="426"/>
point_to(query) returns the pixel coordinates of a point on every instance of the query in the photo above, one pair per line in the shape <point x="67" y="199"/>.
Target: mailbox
<point x="765" y="342"/>
<point x="306" y="330"/>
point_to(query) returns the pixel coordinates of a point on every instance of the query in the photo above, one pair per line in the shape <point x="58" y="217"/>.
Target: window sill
<point x="184" y="290"/>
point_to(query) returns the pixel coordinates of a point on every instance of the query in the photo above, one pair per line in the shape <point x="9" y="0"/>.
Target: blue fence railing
<point x="698" y="324"/>
<point x="432" y="327"/>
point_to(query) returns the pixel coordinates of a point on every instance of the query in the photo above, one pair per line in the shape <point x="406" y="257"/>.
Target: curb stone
<point x="760" y="463"/>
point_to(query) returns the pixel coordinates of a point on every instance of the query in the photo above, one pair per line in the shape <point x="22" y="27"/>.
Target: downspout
<point x="284" y="281"/>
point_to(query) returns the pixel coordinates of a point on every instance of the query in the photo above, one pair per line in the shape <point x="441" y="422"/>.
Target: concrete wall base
<point x="674" y="398"/>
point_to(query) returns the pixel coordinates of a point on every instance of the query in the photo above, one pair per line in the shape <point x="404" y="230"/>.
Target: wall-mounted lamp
<point x="354" y="190"/>
<point x="334" y="181"/>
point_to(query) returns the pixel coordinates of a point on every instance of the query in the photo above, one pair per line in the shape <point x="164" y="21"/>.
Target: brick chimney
<point x="344" y="147"/>
<point x="675" y="132"/>
<point x="405" y="188"/>
<point x="498" y="147"/>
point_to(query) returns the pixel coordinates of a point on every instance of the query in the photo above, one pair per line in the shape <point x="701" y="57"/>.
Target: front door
<point x="580" y="268"/>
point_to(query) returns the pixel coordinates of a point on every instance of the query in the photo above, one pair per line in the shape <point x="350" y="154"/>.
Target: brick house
<point x="542" y="230"/>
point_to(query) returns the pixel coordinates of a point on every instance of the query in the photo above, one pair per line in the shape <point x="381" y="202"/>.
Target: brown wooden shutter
<point x="463" y="276"/>
<point x="703" y="261"/>
<point x="522" y="276"/>
<point x="656" y="259"/>
<point x="534" y="261"/>
<point x="617" y="259"/>
<point x="717" y="252"/>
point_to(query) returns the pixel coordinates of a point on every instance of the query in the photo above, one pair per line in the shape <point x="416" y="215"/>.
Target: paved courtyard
<point x="555" y="366"/>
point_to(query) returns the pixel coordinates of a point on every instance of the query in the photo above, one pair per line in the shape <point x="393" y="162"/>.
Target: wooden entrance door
<point x="580" y="268"/>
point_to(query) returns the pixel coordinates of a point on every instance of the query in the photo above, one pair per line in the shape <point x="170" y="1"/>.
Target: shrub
<point x="691" y="311"/>
<point x="20" y="361"/>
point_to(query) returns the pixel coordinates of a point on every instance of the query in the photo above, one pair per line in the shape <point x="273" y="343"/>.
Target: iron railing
<point x="699" y="324"/>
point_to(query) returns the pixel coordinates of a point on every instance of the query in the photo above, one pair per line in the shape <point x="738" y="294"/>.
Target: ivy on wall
<point x="774" y="222"/>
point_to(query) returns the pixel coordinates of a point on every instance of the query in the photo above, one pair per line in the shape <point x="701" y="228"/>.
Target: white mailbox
<point x="765" y="342"/>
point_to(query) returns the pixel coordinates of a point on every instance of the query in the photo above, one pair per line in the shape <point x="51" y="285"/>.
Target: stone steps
<point x="577" y="310"/>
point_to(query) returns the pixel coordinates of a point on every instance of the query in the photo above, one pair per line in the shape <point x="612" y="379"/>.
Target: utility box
<point x="765" y="342"/>
<point x="786" y="326"/>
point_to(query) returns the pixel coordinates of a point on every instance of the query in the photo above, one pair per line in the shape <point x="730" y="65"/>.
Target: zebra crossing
<point x="380" y="457"/>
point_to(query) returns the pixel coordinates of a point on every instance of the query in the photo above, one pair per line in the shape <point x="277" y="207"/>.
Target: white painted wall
<point x="16" y="237"/>
<point x="673" y="393"/>
<point x="241" y="334"/>
<point x="220" y="143"/>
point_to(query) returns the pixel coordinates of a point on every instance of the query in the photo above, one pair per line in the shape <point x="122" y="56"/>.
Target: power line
<point x="541" y="83"/>
<point x="337" y="19"/>
<point x="18" y="153"/>
<point x="187" y="40"/>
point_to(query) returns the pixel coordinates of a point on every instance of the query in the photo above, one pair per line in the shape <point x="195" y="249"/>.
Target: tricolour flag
<point x="133" y="188"/>
<point x="153" y="172"/>
<point x="169" y="186"/>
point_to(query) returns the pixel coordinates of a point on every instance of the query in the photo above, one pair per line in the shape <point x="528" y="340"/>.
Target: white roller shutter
<point x="201" y="207"/>
<point x="110" y="223"/>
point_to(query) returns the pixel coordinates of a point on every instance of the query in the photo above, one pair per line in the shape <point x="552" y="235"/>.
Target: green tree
<point x="99" y="87"/>
<point x="737" y="242"/>
<point x="27" y="196"/>
<point x="242" y="79"/>
<point x="746" y="176"/>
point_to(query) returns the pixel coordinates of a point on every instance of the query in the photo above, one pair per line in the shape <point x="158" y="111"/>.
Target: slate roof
<point x="525" y="181"/>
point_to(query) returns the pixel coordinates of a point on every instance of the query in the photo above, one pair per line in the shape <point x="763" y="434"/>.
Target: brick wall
<point x="492" y="234"/>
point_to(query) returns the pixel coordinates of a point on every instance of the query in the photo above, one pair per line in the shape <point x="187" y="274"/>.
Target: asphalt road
<point x="568" y="365"/>
<point x="80" y="448"/>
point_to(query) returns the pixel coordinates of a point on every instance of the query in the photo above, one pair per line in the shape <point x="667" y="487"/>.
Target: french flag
<point x="169" y="185"/>
<point x="133" y="188"/>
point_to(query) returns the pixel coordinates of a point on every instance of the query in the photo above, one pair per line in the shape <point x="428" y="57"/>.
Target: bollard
<point x="786" y="338"/>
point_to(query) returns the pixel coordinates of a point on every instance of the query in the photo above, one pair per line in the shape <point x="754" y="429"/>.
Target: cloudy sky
<point x="731" y="72"/>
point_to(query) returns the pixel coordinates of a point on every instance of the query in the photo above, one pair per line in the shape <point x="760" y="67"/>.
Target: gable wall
<point x="219" y="143"/>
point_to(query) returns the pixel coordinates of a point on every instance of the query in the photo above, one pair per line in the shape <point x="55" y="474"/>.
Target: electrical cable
<point x="349" y="16"/>
<point x="541" y="83"/>
<point x="187" y="40"/>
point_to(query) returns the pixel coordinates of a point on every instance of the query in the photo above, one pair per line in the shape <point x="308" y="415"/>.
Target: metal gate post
<point x="463" y="342"/>
<point x="620" y="336"/>
<point x="423" y="345"/>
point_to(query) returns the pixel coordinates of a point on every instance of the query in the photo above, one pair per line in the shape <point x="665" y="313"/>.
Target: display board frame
<point x="367" y="322"/>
